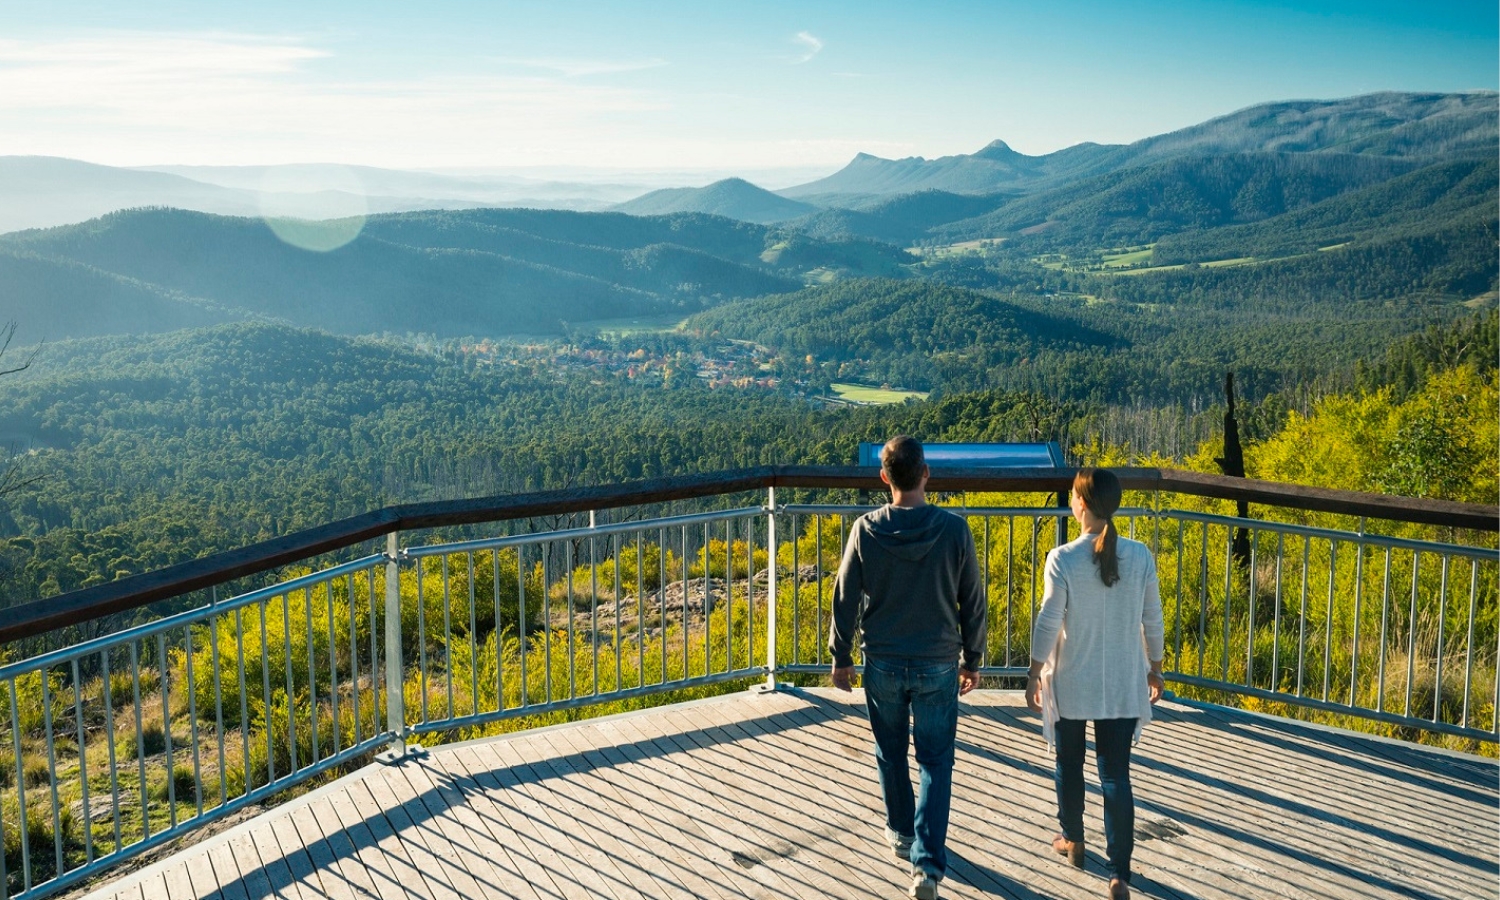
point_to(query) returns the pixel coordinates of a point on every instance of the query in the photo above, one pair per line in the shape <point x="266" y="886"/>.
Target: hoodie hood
<point x="905" y="533"/>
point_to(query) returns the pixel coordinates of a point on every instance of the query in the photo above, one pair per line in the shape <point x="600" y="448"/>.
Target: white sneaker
<point x="923" y="886"/>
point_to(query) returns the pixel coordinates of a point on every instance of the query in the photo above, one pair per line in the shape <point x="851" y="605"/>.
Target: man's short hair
<point x="902" y="461"/>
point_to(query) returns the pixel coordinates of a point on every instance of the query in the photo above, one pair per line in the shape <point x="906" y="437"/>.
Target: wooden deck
<point x="775" y="796"/>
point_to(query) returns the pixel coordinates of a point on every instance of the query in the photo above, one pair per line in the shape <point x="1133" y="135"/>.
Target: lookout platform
<point x="775" y="796"/>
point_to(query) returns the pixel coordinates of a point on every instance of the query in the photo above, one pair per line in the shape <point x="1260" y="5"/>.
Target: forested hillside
<point x="448" y="273"/>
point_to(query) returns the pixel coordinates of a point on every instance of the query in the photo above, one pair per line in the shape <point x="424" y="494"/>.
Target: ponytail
<point x="1105" y="556"/>
<point x="1100" y="491"/>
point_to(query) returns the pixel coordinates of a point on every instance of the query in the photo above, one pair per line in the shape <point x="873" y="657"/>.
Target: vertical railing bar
<point x="51" y="767"/>
<point x="1252" y="599"/>
<point x="796" y="592"/>
<point x="83" y="768"/>
<point x="521" y="618"/>
<point x="473" y="637"/>
<point x="1302" y="618"/>
<point x="640" y="608"/>
<point x="114" y="770"/>
<point x="1411" y="631"/>
<point x="661" y="595"/>
<point x="985" y="580"/>
<point x="140" y="738"/>
<point x="239" y="650"/>
<point x="594" y="609"/>
<point x="546" y="552"/>
<point x="1276" y="613"/>
<point x="312" y="672"/>
<point x="265" y="676"/>
<point x="773" y="575"/>
<point x="291" y="702"/>
<point x="166" y="727"/>
<point x="447" y="637"/>
<point x="395" y="675"/>
<point x="375" y="670"/>
<point x="1385" y="607"/>
<point x="333" y="659"/>
<point x="1228" y="596"/>
<point x="1359" y="594"/>
<point x="1035" y="524"/>
<point x="708" y="598"/>
<point x="1010" y="591"/>
<point x="619" y="602"/>
<point x="1333" y="550"/>
<point x="354" y="657"/>
<point x="499" y="633"/>
<point x="192" y="694"/>
<point x="25" y="830"/>
<point x="421" y="563"/>
<point x="4" y="867"/>
<point x="819" y="631"/>
<point x="1469" y="643"/>
<point x="219" y="731"/>
<point x="1203" y="599"/>
<point x="686" y="579"/>
<point x="1177" y="627"/>
<point x="568" y="564"/>
<point x="1437" y="666"/>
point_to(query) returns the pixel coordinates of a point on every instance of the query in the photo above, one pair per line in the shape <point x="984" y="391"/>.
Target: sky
<point x="686" y="85"/>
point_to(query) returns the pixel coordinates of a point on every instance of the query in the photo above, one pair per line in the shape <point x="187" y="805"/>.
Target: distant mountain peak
<point x="997" y="149"/>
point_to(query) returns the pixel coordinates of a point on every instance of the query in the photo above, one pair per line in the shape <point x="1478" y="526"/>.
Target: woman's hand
<point x="1033" y="694"/>
<point x="1156" y="684"/>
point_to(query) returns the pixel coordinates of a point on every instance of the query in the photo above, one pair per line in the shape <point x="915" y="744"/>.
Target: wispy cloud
<point x="166" y="97"/>
<point x="578" y="68"/>
<point x="810" y="44"/>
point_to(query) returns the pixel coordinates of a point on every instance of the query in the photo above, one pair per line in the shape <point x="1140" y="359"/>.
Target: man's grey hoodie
<point x="910" y="582"/>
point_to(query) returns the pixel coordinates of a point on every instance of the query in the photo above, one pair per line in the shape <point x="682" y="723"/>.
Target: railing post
<point x="395" y="669"/>
<point x="771" y="579"/>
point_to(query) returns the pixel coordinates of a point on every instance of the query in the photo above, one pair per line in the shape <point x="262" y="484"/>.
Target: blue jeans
<point x="1112" y="739"/>
<point x="921" y="697"/>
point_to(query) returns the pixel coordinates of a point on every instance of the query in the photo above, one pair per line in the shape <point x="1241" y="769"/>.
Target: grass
<point x="634" y="325"/>
<point x="873" y="396"/>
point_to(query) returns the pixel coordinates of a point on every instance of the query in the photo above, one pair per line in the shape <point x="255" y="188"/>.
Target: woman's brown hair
<point x="1099" y="490"/>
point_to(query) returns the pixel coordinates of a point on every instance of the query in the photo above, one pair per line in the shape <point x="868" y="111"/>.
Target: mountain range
<point x="1399" y="176"/>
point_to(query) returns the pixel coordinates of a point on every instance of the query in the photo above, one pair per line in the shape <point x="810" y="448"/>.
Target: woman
<point x="1099" y="625"/>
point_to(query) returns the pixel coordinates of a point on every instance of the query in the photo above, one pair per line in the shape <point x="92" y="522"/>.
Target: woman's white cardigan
<point x="1096" y="639"/>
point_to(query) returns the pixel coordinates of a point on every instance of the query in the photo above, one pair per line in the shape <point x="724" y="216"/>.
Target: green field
<point x="634" y="325"/>
<point x="873" y="396"/>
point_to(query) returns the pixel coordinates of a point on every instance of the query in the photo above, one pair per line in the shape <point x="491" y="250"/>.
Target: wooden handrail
<point x="74" y="607"/>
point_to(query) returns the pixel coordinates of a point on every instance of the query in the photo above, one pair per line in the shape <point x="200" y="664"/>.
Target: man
<point x="910" y="582"/>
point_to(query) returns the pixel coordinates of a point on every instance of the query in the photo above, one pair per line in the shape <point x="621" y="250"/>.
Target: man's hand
<point x="843" y="677"/>
<point x="1033" y="694"/>
<point x="1157" y="684"/>
<point x="967" y="681"/>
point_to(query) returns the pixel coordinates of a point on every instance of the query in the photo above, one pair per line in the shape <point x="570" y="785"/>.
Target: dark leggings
<point x="1112" y="739"/>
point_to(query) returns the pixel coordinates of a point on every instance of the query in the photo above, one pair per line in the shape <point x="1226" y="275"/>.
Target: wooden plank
<point x="765" y="853"/>
<point x="401" y="840"/>
<point x="643" y="824"/>
<point x="499" y="808"/>
<point x="343" y="876"/>
<point x="381" y="861"/>
<point x="305" y="878"/>
<point x="414" y="819"/>
<point x="588" y="869"/>
<point x="252" y="869"/>
<point x="226" y="872"/>
<point x="485" y="858"/>
<point x="571" y="782"/>
<point x="642" y="778"/>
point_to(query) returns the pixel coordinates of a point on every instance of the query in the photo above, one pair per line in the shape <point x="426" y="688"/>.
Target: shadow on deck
<point x="753" y="795"/>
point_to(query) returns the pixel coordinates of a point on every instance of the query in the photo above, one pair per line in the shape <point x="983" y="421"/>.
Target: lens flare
<point x="317" y="208"/>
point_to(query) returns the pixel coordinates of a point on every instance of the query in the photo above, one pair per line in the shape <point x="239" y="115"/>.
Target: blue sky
<point x="677" y="85"/>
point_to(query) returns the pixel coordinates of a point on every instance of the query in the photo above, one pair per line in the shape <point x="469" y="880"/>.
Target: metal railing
<point x="117" y="745"/>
